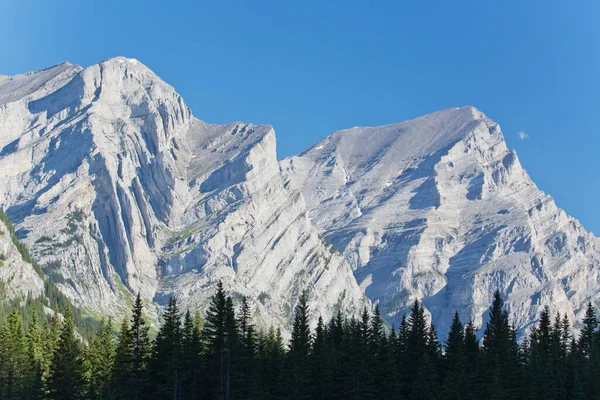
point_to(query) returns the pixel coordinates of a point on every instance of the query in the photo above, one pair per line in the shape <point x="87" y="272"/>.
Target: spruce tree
<point x="539" y="363"/>
<point x="221" y="338"/>
<point x="416" y="375"/>
<point x="122" y="379"/>
<point x="246" y="353"/>
<point x="141" y="348"/>
<point x="471" y="351"/>
<point x="321" y="375"/>
<point x="298" y="358"/>
<point x="191" y="364"/>
<point x="102" y="358"/>
<point x="165" y="365"/>
<point x="455" y="361"/>
<point x="13" y="358"/>
<point x="381" y="376"/>
<point x="35" y="360"/>
<point x="66" y="381"/>
<point x="587" y="336"/>
<point x="500" y="352"/>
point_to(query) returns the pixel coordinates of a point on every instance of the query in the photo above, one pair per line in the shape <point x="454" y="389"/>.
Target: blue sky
<point x="312" y="67"/>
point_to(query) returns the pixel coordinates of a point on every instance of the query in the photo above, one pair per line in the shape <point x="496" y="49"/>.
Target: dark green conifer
<point x="298" y="358"/>
<point x="66" y="380"/>
<point x="165" y="365"/>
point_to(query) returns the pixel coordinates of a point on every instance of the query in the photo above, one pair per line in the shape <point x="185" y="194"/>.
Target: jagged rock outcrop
<point x="119" y="189"/>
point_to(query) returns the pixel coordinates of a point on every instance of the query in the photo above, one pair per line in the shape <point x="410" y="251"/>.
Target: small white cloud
<point x="522" y="135"/>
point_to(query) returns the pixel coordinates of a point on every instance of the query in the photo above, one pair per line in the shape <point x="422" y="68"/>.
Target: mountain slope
<point x="118" y="189"/>
<point x="439" y="209"/>
<point x="18" y="278"/>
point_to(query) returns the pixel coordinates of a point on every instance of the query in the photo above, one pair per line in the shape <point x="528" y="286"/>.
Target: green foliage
<point x="165" y="366"/>
<point x="100" y="358"/>
<point x="52" y="298"/>
<point x="66" y="379"/>
<point x="223" y="357"/>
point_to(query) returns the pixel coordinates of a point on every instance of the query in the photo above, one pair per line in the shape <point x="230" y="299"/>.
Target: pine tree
<point x="416" y="376"/>
<point x="500" y="352"/>
<point x="122" y="379"/>
<point x="320" y="367"/>
<point x="35" y="360"/>
<point x="50" y="337"/>
<point x="221" y="339"/>
<point x="299" y="353"/>
<point x="539" y="367"/>
<point x="165" y="365"/>
<point x="102" y="358"/>
<point x="191" y="345"/>
<point x="471" y="351"/>
<point x="66" y="371"/>
<point x="13" y="358"/>
<point x="246" y="352"/>
<point x="335" y="339"/>
<point x="586" y="342"/>
<point x="141" y="348"/>
<point x="454" y="361"/>
<point x="382" y="377"/>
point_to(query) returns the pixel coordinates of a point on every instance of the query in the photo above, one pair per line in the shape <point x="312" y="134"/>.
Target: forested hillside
<point x="222" y="356"/>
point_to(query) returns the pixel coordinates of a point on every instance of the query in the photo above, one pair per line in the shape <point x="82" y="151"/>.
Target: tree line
<point x="224" y="356"/>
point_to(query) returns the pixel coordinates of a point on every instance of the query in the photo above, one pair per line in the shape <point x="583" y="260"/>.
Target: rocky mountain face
<point x="118" y="188"/>
<point x="439" y="209"/>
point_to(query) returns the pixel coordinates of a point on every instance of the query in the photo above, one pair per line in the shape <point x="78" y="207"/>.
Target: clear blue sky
<point x="311" y="67"/>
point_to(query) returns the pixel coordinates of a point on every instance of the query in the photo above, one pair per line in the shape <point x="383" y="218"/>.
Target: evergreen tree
<point x="13" y="358"/>
<point x="500" y="352"/>
<point x="66" y="381"/>
<point x="191" y="364"/>
<point x="320" y="366"/>
<point x="165" y="365"/>
<point x="102" y="357"/>
<point x="455" y="361"/>
<point x="381" y="376"/>
<point x="587" y="336"/>
<point x="417" y="377"/>
<point x="141" y="348"/>
<point x="298" y="359"/>
<point x="221" y="339"/>
<point x="539" y="368"/>
<point x="122" y="380"/>
<point x="50" y="337"/>
<point x="471" y="349"/>
<point x="35" y="360"/>
<point x="246" y="352"/>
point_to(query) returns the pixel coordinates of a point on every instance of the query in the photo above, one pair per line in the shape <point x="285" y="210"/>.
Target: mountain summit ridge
<point x="119" y="189"/>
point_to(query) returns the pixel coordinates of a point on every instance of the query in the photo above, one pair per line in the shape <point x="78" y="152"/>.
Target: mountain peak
<point x="119" y="189"/>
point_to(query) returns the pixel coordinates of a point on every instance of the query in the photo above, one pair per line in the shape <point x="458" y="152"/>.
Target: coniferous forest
<point x="222" y="355"/>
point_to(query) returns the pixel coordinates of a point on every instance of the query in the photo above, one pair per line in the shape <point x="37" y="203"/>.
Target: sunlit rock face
<point x="118" y="189"/>
<point x="439" y="209"/>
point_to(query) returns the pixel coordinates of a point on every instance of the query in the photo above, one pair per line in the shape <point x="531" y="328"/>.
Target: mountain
<point x="117" y="189"/>
<point x="439" y="209"/>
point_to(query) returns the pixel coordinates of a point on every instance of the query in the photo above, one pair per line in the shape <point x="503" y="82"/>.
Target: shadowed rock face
<point x="131" y="193"/>
<point x="439" y="209"/>
<point x="119" y="189"/>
